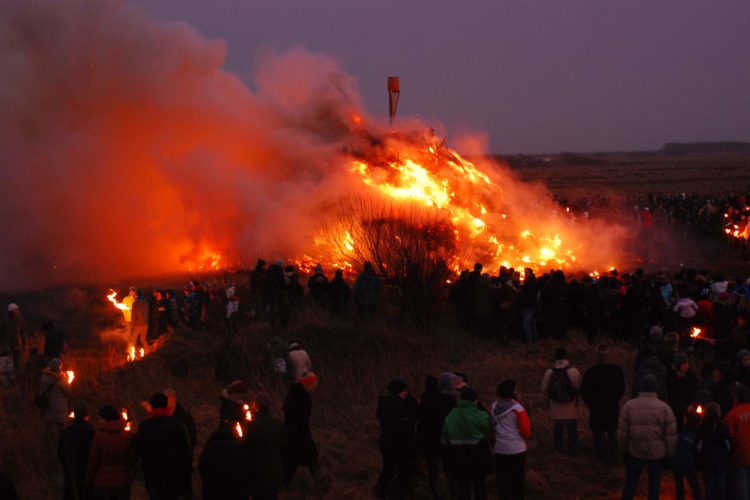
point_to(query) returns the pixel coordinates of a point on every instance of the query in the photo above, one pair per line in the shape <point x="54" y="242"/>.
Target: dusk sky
<point x="534" y="76"/>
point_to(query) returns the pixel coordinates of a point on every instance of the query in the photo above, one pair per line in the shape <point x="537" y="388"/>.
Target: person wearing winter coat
<point x="7" y="370"/>
<point x="738" y="424"/>
<point x="714" y="453"/>
<point x="55" y="385"/>
<point x="395" y="413"/>
<point x="682" y="385"/>
<point x="340" y="294"/>
<point x="139" y="322"/>
<point x="561" y="384"/>
<point x="297" y="361"/>
<point x="648" y="363"/>
<point x="467" y="453"/>
<point x="110" y="461"/>
<point x="163" y="448"/>
<point x="602" y="388"/>
<point x="742" y="368"/>
<point x="512" y="432"/>
<point x="73" y="453"/>
<point x="300" y="449"/>
<point x="265" y="439"/>
<point x="14" y="333"/>
<point x="176" y="410"/>
<point x="647" y="434"/>
<point x="686" y="459"/>
<point x="232" y="401"/>
<point x="367" y="289"/>
<point x="433" y="407"/>
<point x="318" y="286"/>
<point x="224" y="465"/>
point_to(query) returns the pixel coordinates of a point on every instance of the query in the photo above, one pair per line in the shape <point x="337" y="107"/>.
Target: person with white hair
<point x="14" y="333"/>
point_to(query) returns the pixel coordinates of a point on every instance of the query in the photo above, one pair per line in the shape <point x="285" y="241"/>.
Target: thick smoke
<point x="126" y="149"/>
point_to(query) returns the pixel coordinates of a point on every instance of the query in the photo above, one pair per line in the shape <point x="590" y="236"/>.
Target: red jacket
<point x="738" y="422"/>
<point x="110" y="460"/>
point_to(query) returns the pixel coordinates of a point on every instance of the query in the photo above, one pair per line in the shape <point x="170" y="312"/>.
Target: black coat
<point x="166" y="458"/>
<point x="602" y="388"/>
<point x="224" y="466"/>
<point x="265" y="439"/>
<point x="184" y="416"/>
<point x="300" y="449"/>
<point x="73" y="452"/>
<point x="431" y="413"/>
<point x="396" y="417"/>
<point x="681" y="390"/>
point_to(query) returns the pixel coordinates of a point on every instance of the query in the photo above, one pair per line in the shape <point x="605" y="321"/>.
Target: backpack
<point x="560" y="388"/>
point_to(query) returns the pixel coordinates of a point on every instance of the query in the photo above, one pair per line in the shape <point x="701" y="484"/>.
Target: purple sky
<point x="534" y="75"/>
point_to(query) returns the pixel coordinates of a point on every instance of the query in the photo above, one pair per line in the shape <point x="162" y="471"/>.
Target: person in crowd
<point x="14" y="333"/>
<point x="686" y="459"/>
<point x="367" y="290"/>
<point x="686" y="310"/>
<point x="139" y="321"/>
<point x="433" y="407"/>
<point x="396" y="415"/>
<point x="274" y="294"/>
<point x="682" y="385"/>
<point x="512" y="432"/>
<point x="163" y="448"/>
<point x="738" y="424"/>
<point x="529" y="299"/>
<point x="468" y="457"/>
<point x="602" y="387"/>
<point x="176" y="410"/>
<point x="714" y="452"/>
<point x="224" y="465"/>
<point x="7" y="370"/>
<point x="232" y="401"/>
<point x="295" y="294"/>
<point x="265" y="440"/>
<point x="299" y="449"/>
<point x="318" y="286"/>
<point x="110" y="462"/>
<point x="257" y="289"/>
<point x="340" y="294"/>
<point x="449" y="383"/>
<point x="742" y="368"/>
<point x="55" y="389"/>
<point x="647" y="434"/>
<point x="718" y="382"/>
<point x="54" y="341"/>
<point x="297" y="361"/>
<point x="73" y="453"/>
<point x="561" y="384"/>
<point x="127" y="313"/>
<point x="648" y="363"/>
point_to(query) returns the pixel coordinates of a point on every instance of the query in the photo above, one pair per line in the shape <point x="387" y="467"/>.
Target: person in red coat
<point x="110" y="463"/>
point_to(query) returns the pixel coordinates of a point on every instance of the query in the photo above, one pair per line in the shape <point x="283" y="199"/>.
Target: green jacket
<point x="467" y="423"/>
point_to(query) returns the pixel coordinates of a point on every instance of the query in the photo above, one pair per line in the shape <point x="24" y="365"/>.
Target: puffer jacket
<point x="111" y="456"/>
<point x="58" y="394"/>
<point x="647" y="428"/>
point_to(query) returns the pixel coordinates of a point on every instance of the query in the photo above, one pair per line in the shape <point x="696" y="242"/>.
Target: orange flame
<point x="238" y="429"/>
<point x="696" y="332"/>
<point x="112" y="297"/>
<point x="134" y="353"/>
<point x="248" y="413"/>
<point x="71" y="376"/>
<point x="699" y="410"/>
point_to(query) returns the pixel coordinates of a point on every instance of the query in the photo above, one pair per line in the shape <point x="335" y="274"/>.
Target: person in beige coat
<point x="647" y="434"/>
<point x="561" y="384"/>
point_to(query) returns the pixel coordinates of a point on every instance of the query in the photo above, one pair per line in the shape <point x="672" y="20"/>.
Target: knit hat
<point x="158" y="400"/>
<point x="81" y="409"/>
<point x="397" y="385"/>
<point x="12" y="307"/>
<point x="741" y="354"/>
<point x="280" y="263"/>
<point x="318" y="268"/>
<point x="648" y="384"/>
<point x="446" y="381"/>
<point x="55" y="364"/>
<point x="108" y="413"/>
<point x="656" y="333"/>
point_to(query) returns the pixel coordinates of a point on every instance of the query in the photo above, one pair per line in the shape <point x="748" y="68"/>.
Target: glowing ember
<point x="699" y="410"/>
<point x="134" y="353"/>
<point x="72" y="414"/>
<point x="248" y="413"/>
<point x="71" y="376"/>
<point x="238" y="430"/>
<point x="124" y="414"/>
<point x="696" y="332"/>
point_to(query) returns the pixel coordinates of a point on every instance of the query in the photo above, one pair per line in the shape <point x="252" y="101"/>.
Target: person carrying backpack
<point x="561" y="384"/>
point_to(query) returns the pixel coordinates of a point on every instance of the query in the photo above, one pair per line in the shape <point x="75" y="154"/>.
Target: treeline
<point x="684" y="148"/>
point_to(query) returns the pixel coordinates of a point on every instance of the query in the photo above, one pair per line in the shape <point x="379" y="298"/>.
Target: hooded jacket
<point x="111" y="456"/>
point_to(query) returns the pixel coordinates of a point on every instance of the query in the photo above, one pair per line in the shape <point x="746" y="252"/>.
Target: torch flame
<point x="699" y="410"/>
<point x="248" y="413"/>
<point x="238" y="429"/>
<point x="112" y="297"/>
<point x="71" y="376"/>
<point x="696" y="332"/>
<point x="72" y="414"/>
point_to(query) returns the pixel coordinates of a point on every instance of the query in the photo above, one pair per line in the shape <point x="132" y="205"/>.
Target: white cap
<point x="12" y="307"/>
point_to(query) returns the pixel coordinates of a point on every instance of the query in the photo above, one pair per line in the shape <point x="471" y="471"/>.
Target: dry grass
<point x="354" y="360"/>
